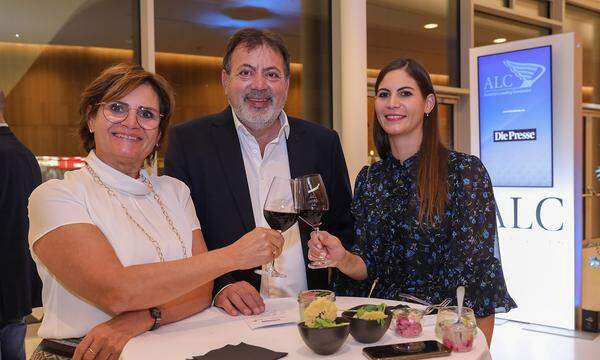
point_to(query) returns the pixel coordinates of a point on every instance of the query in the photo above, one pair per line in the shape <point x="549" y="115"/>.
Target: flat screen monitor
<point x="515" y="116"/>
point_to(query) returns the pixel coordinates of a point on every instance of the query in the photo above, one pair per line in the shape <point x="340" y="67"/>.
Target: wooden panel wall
<point x="42" y="105"/>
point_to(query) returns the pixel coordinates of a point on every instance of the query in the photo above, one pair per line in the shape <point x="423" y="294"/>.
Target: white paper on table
<point x="277" y="312"/>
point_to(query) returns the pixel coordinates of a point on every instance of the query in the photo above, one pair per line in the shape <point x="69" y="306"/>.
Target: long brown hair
<point x="432" y="171"/>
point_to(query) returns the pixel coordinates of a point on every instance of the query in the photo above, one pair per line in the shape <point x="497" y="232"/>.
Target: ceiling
<point x="395" y="28"/>
<point x="191" y="26"/>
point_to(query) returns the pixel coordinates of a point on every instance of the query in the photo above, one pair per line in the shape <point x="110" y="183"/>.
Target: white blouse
<point x="79" y="199"/>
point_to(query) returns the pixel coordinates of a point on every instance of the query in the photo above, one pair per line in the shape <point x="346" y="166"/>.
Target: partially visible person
<point x="20" y="285"/>
<point x="229" y="160"/>
<point x="120" y="251"/>
<point x="425" y="216"/>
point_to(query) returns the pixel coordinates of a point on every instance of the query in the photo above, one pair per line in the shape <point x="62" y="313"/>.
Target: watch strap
<point x="156" y="315"/>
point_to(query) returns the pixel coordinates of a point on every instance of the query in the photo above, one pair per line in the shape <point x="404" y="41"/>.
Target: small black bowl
<point x="367" y="331"/>
<point x="325" y="341"/>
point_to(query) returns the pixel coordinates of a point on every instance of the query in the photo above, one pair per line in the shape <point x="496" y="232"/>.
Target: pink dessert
<point x="408" y="323"/>
<point x="457" y="337"/>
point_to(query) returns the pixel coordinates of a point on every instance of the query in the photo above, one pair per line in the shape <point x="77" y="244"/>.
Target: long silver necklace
<point x="160" y="203"/>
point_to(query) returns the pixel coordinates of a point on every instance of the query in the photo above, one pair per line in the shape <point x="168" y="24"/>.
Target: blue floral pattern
<point x="424" y="260"/>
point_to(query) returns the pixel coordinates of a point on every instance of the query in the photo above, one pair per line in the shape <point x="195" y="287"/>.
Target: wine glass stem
<point x="319" y="238"/>
<point x="271" y="265"/>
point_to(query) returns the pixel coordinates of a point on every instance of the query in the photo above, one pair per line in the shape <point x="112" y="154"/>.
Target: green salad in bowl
<point x="372" y="312"/>
<point x="368" y="323"/>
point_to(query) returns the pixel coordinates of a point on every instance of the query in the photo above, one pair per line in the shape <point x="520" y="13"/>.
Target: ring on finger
<point x="92" y="351"/>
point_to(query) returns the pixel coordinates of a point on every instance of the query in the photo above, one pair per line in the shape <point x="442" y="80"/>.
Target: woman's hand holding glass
<point x="258" y="247"/>
<point x="325" y="249"/>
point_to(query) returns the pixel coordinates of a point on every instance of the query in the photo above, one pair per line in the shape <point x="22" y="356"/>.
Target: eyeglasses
<point x="117" y="111"/>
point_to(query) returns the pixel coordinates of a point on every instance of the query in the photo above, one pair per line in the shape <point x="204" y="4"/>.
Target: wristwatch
<point x="155" y="313"/>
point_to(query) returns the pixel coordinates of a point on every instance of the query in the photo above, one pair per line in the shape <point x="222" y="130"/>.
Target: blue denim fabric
<point x="12" y="340"/>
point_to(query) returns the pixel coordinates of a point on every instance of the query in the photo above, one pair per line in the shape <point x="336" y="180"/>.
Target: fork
<point x="413" y="298"/>
<point x="430" y="307"/>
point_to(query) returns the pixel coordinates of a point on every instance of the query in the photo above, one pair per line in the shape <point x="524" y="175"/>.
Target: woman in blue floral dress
<point x="425" y="216"/>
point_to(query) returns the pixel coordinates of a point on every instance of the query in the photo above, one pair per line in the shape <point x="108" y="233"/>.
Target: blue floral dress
<point x="428" y="261"/>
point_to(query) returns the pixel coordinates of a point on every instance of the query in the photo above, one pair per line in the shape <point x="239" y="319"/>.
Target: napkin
<point x="240" y="351"/>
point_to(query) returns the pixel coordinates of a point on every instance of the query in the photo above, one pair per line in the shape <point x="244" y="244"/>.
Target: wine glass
<point x="311" y="202"/>
<point x="280" y="214"/>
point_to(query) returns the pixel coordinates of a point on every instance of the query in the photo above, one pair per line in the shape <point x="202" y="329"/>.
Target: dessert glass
<point x="408" y="322"/>
<point x="449" y="315"/>
<point x="458" y="336"/>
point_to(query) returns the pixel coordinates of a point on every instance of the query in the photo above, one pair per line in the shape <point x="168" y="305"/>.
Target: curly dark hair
<point x="252" y="38"/>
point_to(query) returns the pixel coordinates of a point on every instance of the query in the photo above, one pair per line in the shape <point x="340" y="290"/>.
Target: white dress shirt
<point x="260" y="171"/>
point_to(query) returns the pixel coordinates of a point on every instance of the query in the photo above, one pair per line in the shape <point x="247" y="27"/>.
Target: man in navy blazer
<point x="20" y="285"/>
<point x="228" y="159"/>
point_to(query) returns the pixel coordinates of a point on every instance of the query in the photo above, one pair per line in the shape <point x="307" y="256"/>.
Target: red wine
<point x="280" y="220"/>
<point x="311" y="217"/>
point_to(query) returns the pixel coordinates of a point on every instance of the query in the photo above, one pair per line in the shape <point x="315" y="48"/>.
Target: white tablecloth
<point x="212" y="329"/>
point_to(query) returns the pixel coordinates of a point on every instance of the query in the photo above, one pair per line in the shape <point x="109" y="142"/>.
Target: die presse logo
<point x="515" y="135"/>
<point x="518" y="78"/>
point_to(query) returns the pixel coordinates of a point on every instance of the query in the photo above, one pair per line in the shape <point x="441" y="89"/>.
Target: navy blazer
<point x="20" y="285"/>
<point x="205" y="154"/>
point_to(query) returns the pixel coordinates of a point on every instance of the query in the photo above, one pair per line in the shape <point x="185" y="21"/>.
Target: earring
<point x="427" y="115"/>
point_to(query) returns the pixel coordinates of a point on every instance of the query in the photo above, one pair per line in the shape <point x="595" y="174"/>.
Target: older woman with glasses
<point x="119" y="251"/>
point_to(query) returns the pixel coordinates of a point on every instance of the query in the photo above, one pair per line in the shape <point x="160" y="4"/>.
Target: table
<point x="213" y="328"/>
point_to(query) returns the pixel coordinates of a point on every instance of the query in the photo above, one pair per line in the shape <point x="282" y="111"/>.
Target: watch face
<point x="155" y="312"/>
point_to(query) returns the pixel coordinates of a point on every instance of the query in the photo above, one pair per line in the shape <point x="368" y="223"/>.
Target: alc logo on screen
<point x="522" y="220"/>
<point x="520" y="79"/>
